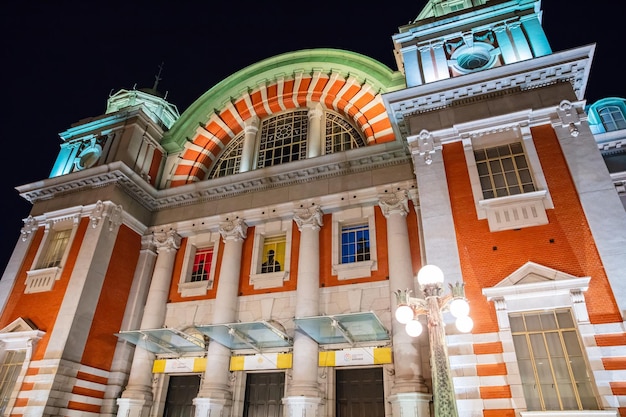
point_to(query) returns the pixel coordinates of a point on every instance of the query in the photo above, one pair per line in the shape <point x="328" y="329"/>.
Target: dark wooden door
<point x="264" y="394"/>
<point x="180" y="394"/>
<point x="360" y="393"/>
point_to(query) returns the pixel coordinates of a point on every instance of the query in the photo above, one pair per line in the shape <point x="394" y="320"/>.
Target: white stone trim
<point x="512" y="212"/>
<point x="261" y="232"/>
<point x="362" y="269"/>
<point x="186" y="288"/>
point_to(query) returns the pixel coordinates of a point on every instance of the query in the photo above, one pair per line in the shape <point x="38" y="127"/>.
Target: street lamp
<point x="430" y="279"/>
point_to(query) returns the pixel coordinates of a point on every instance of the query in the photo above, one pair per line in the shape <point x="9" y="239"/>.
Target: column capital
<point x="166" y="240"/>
<point x="315" y="112"/>
<point x="235" y="229"/>
<point x="251" y="125"/>
<point x="310" y="217"/>
<point x="394" y="203"/>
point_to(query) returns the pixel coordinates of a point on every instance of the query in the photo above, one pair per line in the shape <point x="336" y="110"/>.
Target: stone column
<point x="136" y="400"/>
<point x="409" y="394"/>
<point x="249" y="144"/>
<point x="303" y="393"/>
<point x="215" y="396"/>
<point x="120" y="367"/>
<point x="315" y="133"/>
<point x="602" y="206"/>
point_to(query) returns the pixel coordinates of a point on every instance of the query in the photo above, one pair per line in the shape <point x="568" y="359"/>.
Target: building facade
<point x="242" y="258"/>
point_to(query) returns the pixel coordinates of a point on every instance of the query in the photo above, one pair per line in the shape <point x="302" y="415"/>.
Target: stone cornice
<point x="300" y="172"/>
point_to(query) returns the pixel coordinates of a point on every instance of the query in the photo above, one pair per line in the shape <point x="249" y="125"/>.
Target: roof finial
<point x="157" y="77"/>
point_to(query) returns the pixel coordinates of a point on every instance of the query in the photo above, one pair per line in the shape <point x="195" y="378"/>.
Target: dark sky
<point x="62" y="59"/>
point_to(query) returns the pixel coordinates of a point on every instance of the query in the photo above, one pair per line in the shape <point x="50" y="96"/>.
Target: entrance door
<point x="360" y="393"/>
<point x="182" y="390"/>
<point x="264" y="394"/>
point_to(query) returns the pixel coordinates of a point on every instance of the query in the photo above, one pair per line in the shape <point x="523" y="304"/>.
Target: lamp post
<point x="430" y="279"/>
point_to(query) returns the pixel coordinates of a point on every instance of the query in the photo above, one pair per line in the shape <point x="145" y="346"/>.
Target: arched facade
<point x="344" y="82"/>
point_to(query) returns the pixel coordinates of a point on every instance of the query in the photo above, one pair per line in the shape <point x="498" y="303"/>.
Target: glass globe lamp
<point x="404" y="314"/>
<point x="429" y="275"/>
<point x="464" y="324"/>
<point x="414" y="328"/>
<point x="459" y="307"/>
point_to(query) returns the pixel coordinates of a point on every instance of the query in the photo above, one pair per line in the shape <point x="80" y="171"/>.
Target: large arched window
<point x="285" y="138"/>
<point x="341" y="135"/>
<point x="612" y="118"/>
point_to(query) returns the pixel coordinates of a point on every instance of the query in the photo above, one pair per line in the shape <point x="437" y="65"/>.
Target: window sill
<point x="269" y="280"/>
<point x="516" y="211"/>
<point x="41" y="280"/>
<point x="194" y="289"/>
<point x="353" y="270"/>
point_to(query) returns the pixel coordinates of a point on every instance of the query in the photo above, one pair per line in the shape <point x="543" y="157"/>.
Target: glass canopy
<point x="162" y="341"/>
<point x="258" y="335"/>
<point x="352" y="328"/>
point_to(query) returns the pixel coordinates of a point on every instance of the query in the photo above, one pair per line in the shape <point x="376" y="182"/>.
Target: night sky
<point x="61" y="61"/>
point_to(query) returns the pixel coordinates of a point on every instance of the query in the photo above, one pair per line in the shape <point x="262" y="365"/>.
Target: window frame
<point x="41" y="279"/>
<point x="18" y="336"/>
<point x="534" y="287"/>
<point x="350" y="217"/>
<point x="566" y="349"/>
<point x="186" y="287"/>
<point x="612" y="109"/>
<point x="263" y="231"/>
<point x="513" y="211"/>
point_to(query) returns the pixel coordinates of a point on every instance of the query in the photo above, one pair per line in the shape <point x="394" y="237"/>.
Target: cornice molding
<point x="117" y="173"/>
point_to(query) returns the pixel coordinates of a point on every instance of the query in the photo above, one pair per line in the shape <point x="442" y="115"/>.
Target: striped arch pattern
<point x="344" y="94"/>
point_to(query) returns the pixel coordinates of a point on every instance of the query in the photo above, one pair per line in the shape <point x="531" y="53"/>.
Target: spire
<point x="157" y="77"/>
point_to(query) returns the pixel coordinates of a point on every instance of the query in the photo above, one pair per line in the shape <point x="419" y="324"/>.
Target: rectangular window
<point x="503" y="171"/>
<point x="552" y="366"/>
<point x="273" y="254"/>
<point x="355" y="243"/>
<point x="202" y="264"/>
<point x="55" y="249"/>
<point x="9" y="371"/>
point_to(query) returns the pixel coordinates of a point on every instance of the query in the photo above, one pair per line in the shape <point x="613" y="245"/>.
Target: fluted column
<point x="251" y="127"/>
<point x="409" y="393"/>
<point x="215" y="396"/>
<point x="303" y="394"/>
<point x="136" y="400"/>
<point x="314" y="135"/>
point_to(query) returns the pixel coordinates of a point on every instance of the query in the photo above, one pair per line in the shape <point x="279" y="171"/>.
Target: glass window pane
<point x="507" y="164"/>
<point x="568" y="397"/>
<point x="533" y="323"/>
<point x="565" y="319"/>
<point x="548" y="321"/>
<point x="517" y="324"/>
<point x="495" y="167"/>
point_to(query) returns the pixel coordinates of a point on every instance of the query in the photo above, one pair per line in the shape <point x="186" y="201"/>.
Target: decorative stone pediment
<point x="19" y="325"/>
<point x="531" y="273"/>
<point x="538" y="287"/>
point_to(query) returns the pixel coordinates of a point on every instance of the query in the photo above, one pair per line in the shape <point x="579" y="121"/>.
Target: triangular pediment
<point x="532" y="273"/>
<point x="533" y="280"/>
<point x="19" y="325"/>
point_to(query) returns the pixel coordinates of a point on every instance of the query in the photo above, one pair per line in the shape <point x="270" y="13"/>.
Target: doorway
<point x="181" y="391"/>
<point x="360" y="393"/>
<point x="264" y="394"/>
